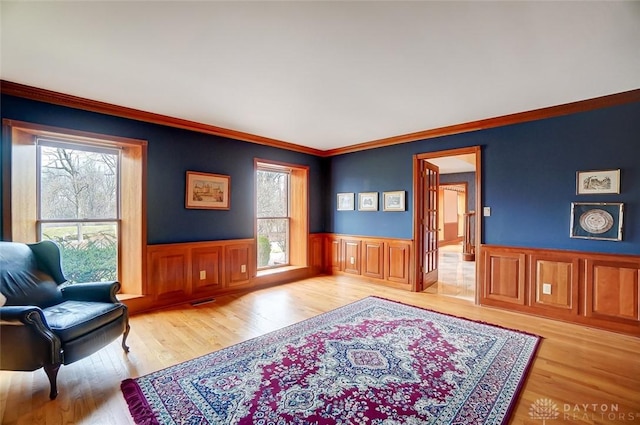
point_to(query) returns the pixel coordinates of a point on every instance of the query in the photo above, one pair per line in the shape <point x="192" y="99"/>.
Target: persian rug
<point x="374" y="361"/>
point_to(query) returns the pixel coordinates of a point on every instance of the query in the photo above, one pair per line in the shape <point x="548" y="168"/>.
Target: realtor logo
<point x="544" y="409"/>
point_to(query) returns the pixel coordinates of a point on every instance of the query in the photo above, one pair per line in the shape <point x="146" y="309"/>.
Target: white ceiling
<point x="324" y="74"/>
<point x="455" y="164"/>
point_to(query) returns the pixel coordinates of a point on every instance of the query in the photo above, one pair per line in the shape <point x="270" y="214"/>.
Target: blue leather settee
<point x="47" y="322"/>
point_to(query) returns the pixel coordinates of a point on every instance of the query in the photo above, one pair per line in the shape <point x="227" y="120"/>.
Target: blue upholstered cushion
<point x="71" y="319"/>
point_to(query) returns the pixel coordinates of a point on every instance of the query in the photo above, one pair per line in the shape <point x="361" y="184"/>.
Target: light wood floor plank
<point x="574" y="366"/>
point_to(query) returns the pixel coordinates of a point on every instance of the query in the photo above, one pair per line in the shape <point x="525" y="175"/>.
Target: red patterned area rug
<point x="370" y="362"/>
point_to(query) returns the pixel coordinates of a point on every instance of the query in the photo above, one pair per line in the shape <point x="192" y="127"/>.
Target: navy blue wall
<point x="371" y="171"/>
<point x="528" y="176"/>
<point x="528" y="179"/>
<point x="171" y="152"/>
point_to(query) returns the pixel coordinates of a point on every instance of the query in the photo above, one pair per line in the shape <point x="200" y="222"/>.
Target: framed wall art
<point x="598" y="182"/>
<point x="368" y="201"/>
<point x="393" y="201"/>
<point x="208" y="191"/>
<point x="346" y="201"/>
<point x="593" y="220"/>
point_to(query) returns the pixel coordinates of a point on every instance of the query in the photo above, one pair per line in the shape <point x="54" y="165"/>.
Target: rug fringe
<point x="138" y="406"/>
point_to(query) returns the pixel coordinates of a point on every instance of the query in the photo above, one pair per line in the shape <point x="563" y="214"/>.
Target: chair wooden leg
<point x="125" y="347"/>
<point x="52" y="373"/>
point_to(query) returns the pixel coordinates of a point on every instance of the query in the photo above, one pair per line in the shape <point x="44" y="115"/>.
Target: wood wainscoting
<point x="593" y="289"/>
<point x="195" y="271"/>
<point x="382" y="260"/>
<point x="184" y="272"/>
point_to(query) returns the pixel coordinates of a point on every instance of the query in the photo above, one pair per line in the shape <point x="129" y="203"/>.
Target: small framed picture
<point x="598" y="182"/>
<point x="593" y="220"/>
<point x="393" y="201"/>
<point x="346" y="201"/>
<point x="368" y="201"/>
<point x="208" y="191"/>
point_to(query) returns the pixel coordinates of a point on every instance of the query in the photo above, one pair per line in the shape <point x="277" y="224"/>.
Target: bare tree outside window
<point x="79" y="208"/>
<point x="272" y="199"/>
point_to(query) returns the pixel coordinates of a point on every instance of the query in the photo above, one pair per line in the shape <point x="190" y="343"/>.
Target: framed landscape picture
<point x="368" y="201"/>
<point x="346" y="201"/>
<point x="597" y="182"/>
<point x="393" y="201"/>
<point x="208" y="191"/>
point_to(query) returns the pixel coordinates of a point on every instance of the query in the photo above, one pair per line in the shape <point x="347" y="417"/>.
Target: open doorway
<point x="452" y="204"/>
<point x="453" y="244"/>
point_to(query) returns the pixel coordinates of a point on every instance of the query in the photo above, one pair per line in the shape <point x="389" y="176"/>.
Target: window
<point x="282" y="229"/>
<point x="78" y="206"/>
<point x="82" y="190"/>
<point x="272" y="200"/>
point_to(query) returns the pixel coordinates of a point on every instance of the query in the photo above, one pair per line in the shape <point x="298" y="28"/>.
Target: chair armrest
<point x="27" y="340"/>
<point x="92" y="291"/>
<point x="25" y="314"/>
<point x="28" y="315"/>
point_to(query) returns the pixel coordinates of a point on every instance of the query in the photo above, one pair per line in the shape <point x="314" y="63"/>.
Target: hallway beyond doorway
<point x="456" y="278"/>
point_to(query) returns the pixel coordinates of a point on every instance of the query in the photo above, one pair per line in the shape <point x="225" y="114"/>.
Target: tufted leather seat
<point x="45" y="321"/>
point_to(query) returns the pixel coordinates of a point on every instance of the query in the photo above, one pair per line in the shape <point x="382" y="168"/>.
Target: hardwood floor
<point x="456" y="278"/>
<point x="592" y="376"/>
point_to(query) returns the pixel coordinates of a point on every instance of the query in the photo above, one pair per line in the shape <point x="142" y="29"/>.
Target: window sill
<point x="124" y="297"/>
<point x="277" y="270"/>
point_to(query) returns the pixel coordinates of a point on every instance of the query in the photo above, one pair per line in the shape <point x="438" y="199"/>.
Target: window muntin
<point x="273" y="215"/>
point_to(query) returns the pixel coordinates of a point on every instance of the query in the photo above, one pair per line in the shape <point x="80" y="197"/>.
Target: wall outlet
<point x="243" y="268"/>
<point x="546" y="288"/>
<point x="203" y="274"/>
<point x="352" y="260"/>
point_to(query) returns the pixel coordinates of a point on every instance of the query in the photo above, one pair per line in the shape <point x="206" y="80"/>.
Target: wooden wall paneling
<point x="504" y="276"/>
<point x="238" y="265"/>
<point x="386" y="260"/>
<point x="397" y="258"/>
<point x="559" y="275"/>
<point x="612" y="290"/>
<point x="351" y="255"/>
<point x="333" y="258"/>
<point x="316" y="253"/>
<point x="593" y="289"/>
<point x="373" y="259"/>
<point x="169" y="273"/>
<point x="206" y="269"/>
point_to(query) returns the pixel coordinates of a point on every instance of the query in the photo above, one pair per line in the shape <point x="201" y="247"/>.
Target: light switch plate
<point x="203" y="274"/>
<point x="243" y="268"/>
<point x="546" y="288"/>
<point x="486" y="211"/>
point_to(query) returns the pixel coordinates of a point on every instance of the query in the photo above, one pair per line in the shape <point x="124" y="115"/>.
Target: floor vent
<point x="206" y="301"/>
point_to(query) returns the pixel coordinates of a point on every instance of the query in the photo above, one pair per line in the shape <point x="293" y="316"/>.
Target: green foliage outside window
<point x="264" y="251"/>
<point x="93" y="260"/>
